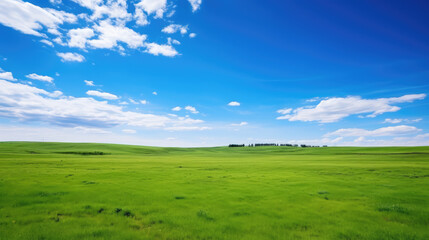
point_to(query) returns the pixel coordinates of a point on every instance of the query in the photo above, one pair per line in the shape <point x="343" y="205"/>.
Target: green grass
<point x="105" y="191"/>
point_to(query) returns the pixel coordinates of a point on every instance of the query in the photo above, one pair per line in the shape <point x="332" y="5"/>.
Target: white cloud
<point x="105" y="26"/>
<point x="47" y="42"/>
<point x="104" y="95"/>
<point x="116" y="10"/>
<point x="284" y="110"/>
<point x="161" y="49"/>
<point x="89" y="83"/>
<point x="27" y="103"/>
<point x="7" y="76"/>
<point x="79" y="37"/>
<point x="191" y="109"/>
<point x="234" y="104"/>
<point x="155" y="93"/>
<point x="173" y="28"/>
<point x="157" y="7"/>
<point x="133" y="101"/>
<point x="40" y="77"/>
<point x="71" y="57"/>
<point x="55" y="1"/>
<point x="399" y="120"/>
<point x="110" y="35"/>
<point x="131" y="131"/>
<point x="334" y="109"/>
<point x="31" y="19"/>
<point x="144" y="102"/>
<point x="192" y="35"/>
<point x="172" y="41"/>
<point x="176" y="109"/>
<point x="195" y="4"/>
<point x="384" y="131"/>
<point x="91" y="130"/>
<point x="187" y="128"/>
<point x="240" y="124"/>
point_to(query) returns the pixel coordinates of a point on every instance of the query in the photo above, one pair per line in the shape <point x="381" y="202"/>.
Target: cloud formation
<point x="7" y="76"/>
<point x="384" y="131"/>
<point x="104" y="95"/>
<point x="71" y="57"/>
<point x="38" y="77"/>
<point x="27" y="103"/>
<point x="234" y="104"/>
<point x="335" y="109"/>
<point x="107" y="25"/>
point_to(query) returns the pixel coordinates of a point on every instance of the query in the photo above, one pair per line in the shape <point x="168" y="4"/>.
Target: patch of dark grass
<point x="51" y="194"/>
<point x="179" y="197"/>
<point x="100" y="210"/>
<point x="85" y="153"/>
<point x="323" y="192"/>
<point x="203" y="214"/>
<point x="393" y="208"/>
<point x="88" y="182"/>
<point x="238" y="214"/>
<point x="118" y="210"/>
<point x="128" y="213"/>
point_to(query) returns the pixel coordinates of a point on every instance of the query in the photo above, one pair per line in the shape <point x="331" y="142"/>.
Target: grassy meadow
<point x="107" y="191"/>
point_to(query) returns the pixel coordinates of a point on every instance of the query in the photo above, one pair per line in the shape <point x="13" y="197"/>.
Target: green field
<point x="71" y="191"/>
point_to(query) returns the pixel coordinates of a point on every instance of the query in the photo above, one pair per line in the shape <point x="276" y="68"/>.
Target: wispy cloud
<point x="334" y="109"/>
<point x="104" y="95"/>
<point x="38" y="77"/>
<point x="71" y="57"/>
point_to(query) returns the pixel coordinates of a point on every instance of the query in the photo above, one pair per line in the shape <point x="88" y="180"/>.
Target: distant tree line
<point x="274" y="145"/>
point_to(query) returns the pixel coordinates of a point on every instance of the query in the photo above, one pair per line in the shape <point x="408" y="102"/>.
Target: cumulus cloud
<point x="144" y="102"/>
<point x="79" y="37"/>
<point x="384" y="131"/>
<point x="71" y="57"/>
<point x="116" y="10"/>
<point x="161" y="49"/>
<point x="42" y="78"/>
<point x="176" y="109"/>
<point x="107" y="25"/>
<point x="110" y="35"/>
<point x="191" y="109"/>
<point x="7" y="76"/>
<point x="157" y="7"/>
<point x="27" y="103"/>
<point x="31" y="19"/>
<point x="89" y="83"/>
<point x="334" y="109"/>
<point x="104" y="95"/>
<point x="234" y="104"/>
<point x="192" y="35"/>
<point x="195" y="4"/>
<point x="173" y="28"/>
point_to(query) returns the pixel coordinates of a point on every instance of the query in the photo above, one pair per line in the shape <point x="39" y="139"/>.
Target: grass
<point x="105" y="191"/>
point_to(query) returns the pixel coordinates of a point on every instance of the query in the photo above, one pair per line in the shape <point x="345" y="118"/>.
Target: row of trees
<point x="274" y="145"/>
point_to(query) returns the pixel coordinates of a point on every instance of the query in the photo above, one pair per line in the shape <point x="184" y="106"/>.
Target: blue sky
<point x="208" y="73"/>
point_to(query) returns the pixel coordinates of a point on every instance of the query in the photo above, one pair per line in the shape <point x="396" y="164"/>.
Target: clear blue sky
<point x="206" y="73"/>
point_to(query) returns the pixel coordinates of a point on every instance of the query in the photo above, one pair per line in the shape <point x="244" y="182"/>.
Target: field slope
<point x="105" y="191"/>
